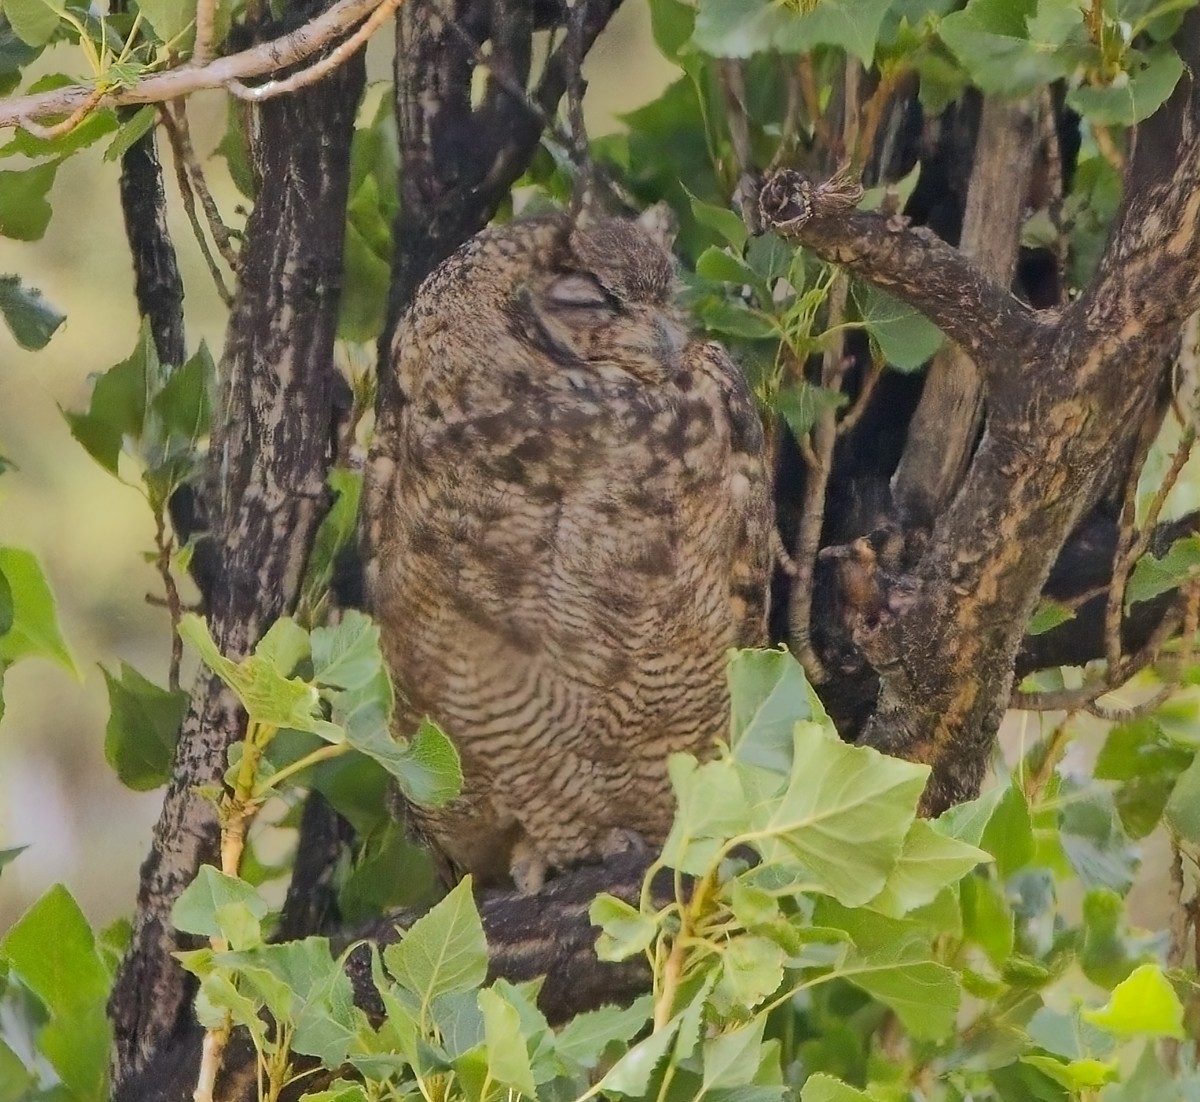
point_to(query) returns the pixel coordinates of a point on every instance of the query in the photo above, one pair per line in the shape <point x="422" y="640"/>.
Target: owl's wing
<point x="753" y="511"/>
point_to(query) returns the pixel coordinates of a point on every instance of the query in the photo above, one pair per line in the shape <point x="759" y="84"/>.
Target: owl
<point x="567" y="528"/>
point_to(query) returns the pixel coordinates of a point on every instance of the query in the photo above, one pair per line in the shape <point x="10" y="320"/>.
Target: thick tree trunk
<point x="269" y="461"/>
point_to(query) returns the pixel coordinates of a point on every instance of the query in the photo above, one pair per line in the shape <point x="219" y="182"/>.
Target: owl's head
<point x="607" y="302"/>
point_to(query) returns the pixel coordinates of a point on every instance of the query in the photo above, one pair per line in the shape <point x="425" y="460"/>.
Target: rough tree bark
<point x="269" y="461"/>
<point x="1064" y="391"/>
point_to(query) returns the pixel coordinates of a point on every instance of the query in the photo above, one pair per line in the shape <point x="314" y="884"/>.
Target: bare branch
<point x="289" y="49"/>
<point x="320" y="69"/>
<point x="206" y="27"/>
<point x="988" y="322"/>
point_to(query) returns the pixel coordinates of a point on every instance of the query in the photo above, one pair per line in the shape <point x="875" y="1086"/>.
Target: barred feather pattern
<point x="567" y="527"/>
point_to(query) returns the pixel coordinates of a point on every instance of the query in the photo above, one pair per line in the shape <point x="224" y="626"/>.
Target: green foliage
<point x="343" y="696"/>
<point x="56" y="986"/>
<point x="155" y="413"/>
<point x="143" y="727"/>
<point x="29" y="317"/>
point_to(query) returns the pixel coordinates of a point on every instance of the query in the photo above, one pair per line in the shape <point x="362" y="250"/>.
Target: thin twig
<point x="871" y="114"/>
<point x="267" y="57"/>
<point x="162" y="563"/>
<point x="183" y="147"/>
<point x="315" y="72"/>
<point x="1132" y="546"/>
<point x="855" y="412"/>
<point x="189" y="203"/>
<point x="206" y="31"/>
<point x="49" y="133"/>
<point x="732" y="80"/>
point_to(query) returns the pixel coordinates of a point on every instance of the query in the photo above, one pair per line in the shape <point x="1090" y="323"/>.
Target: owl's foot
<point x="622" y="840"/>
<point x="528" y="869"/>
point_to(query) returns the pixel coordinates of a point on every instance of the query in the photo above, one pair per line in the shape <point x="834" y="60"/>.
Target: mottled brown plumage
<point x="567" y="529"/>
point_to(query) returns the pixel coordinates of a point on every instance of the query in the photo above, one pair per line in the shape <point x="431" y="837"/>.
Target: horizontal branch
<point x="268" y="57"/>
<point x="914" y="264"/>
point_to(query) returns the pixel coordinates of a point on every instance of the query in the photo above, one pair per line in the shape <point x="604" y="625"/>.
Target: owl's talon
<point x="528" y="869"/>
<point x="622" y="840"/>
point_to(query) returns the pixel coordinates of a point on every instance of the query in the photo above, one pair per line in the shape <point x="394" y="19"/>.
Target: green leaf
<point x="929" y="862"/>
<point x="29" y="317"/>
<point x="169" y="18"/>
<point x="52" y="949"/>
<point x="34" y="632"/>
<point x="924" y="994"/>
<point x="443" y="952"/>
<point x="740" y="28"/>
<point x="768" y="695"/>
<point x="586" y="1037"/>
<point x="727" y="224"/>
<point x="711" y="808"/>
<point x="338" y="529"/>
<point x="1076" y="1075"/>
<point x="752" y="969"/>
<point x="1182" y="813"/>
<point x="7" y="610"/>
<point x="1144" y="1005"/>
<point x="991" y="40"/>
<point x="34" y="21"/>
<point x="1147" y="764"/>
<point x="24" y="209"/>
<point x="284" y="646"/>
<point x="1097" y="847"/>
<point x="142" y="729"/>
<point x="77" y="1047"/>
<point x="733" y="318"/>
<point x="671" y="23"/>
<point x="1152" y="576"/>
<point x="268" y="697"/>
<point x="1109" y="953"/>
<point x="1134" y="95"/>
<point x="426" y="767"/>
<point x="803" y="404"/>
<point x="507" y="1055"/>
<point x="723" y="267"/>
<point x="390" y="872"/>
<point x="825" y="1088"/>
<point x="15" y="1081"/>
<point x="185" y="400"/>
<point x="118" y="405"/>
<point x="198" y="908"/>
<point x="844" y="815"/>
<point x="347" y="656"/>
<point x="7" y="856"/>
<point x="1008" y="836"/>
<point x="968" y="821"/>
<point x="625" y="931"/>
<point x="14" y="56"/>
<point x="905" y="336"/>
<point x="631" y="1074"/>
<point x="731" y="1058"/>
<point x="341" y="1091"/>
<point x="1049" y="615"/>
<point x="131" y="131"/>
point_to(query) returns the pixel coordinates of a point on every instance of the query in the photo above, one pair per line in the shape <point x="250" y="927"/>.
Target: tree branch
<point x="985" y="320"/>
<point x="279" y="53"/>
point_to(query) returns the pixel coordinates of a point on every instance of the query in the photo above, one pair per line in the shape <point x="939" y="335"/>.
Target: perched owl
<point x="567" y="529"/>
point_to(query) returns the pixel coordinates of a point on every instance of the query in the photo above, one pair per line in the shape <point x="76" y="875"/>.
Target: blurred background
<point x="57" y="793"/>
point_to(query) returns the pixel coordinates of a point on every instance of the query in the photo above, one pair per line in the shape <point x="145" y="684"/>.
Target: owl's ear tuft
<point x="660" y="225"/>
